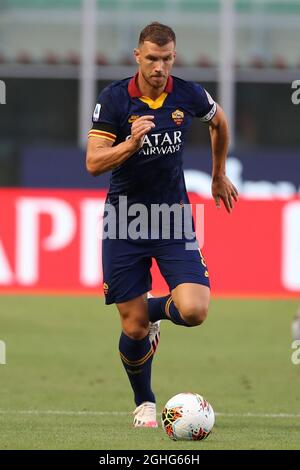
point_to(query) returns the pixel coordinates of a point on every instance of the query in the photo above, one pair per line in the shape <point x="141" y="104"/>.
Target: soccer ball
<point x="188" y="417"/>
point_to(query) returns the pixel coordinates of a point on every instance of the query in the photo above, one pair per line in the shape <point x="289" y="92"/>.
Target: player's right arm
<point x="102" y="156"/>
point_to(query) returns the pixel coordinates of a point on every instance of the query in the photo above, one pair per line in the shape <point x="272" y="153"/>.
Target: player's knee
<point x="134" y="318"/>
<point x="135" y="329"/>
<point x="194" y="313"/>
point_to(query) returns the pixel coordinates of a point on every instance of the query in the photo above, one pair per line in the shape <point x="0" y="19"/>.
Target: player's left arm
<point x="222" y="187"/>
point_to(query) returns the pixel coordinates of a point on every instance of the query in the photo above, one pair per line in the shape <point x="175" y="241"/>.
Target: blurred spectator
<point x="204" y="61"/>
<point x="51" y="58"/>
<point x="279" y="62"/>
<point x="73" y="58"/>
<point x="24" y="57"/>
<point x="258" y="62"/>
<point x="101" y="59"/>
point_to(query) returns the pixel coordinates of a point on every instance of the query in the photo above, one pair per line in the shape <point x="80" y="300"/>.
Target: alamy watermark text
<point x="296" y="354"/>
<point x="2" y="92"/>
<point x="157" y="221"/>
<point x="2" y="352"/>
<point x="296" y="93"/>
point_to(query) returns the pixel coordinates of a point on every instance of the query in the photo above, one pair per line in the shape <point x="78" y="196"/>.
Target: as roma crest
<point x="178" y="117"/>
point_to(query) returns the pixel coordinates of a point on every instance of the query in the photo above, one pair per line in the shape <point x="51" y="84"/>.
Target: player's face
<point x="155" y="62"/>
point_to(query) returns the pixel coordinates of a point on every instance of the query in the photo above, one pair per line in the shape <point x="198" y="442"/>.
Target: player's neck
<point x="147" y="90"/>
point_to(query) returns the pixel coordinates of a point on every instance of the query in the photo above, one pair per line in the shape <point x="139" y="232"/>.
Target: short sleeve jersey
<point x="154" y="173"/>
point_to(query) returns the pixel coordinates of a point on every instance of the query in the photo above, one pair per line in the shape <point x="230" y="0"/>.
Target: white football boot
<point x="154" y="330"/>
<point x="145" y="415"/>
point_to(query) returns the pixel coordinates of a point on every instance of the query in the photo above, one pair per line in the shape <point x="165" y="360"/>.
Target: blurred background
<point x="63" y="385"/>
<point x="56" y="57"/>
<point x="42" y="50"/>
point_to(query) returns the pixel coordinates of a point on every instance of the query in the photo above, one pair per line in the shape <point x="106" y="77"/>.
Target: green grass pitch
<point x="63" y="386"/>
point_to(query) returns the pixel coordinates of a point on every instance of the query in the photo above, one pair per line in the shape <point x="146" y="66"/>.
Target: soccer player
<point x="139" y="132"/>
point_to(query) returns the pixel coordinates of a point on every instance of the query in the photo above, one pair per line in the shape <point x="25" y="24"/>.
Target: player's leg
<point x="189" y="302"/>
<point x="154" y="327"/>
<point x="135" y="348"/>
<point x="186" y="274"/>
<point x="126" y="272"/>
<point x="136" y="354"/>
<point x="187" y="305"/>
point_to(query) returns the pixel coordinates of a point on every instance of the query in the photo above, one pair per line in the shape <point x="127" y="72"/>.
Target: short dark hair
<point x="157" y="33"/>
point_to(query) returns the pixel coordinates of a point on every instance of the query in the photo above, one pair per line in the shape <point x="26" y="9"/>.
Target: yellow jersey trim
<point x="154" y="104"/>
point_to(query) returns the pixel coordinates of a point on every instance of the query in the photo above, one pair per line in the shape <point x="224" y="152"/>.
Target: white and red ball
<point x="188" y="417"/>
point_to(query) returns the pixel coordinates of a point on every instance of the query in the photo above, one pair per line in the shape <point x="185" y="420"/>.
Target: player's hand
<point x="139" y="128"/>
<point x="223" y="189"/>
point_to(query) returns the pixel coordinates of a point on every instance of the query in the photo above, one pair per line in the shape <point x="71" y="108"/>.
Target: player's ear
<point x="137" y="55"/>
